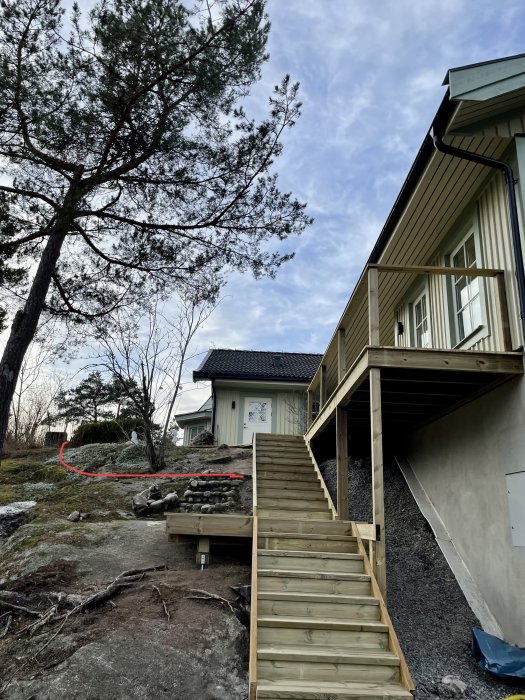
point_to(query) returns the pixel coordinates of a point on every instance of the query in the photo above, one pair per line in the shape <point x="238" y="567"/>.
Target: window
<point x="421" y="321"/>
<point x="467" y="296"/>
<point x="196" y="430"/>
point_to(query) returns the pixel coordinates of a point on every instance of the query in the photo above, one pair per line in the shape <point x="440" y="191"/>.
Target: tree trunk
<point x="25" y="324"/>
<point x="153" y="458"/>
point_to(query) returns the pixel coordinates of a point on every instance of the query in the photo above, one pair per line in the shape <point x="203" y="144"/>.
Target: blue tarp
<point x="498" y="657"/>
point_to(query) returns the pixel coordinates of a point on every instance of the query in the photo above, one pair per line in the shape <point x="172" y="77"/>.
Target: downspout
<point x="213" y="403"/>
<point x="506" y="169"/>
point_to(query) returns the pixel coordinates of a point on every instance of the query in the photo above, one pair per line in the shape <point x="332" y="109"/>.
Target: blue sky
<point x="370" y="75"/>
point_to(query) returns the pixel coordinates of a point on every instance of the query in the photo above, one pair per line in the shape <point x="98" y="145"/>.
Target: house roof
<point x="202" y="412"/>
<point x="256" y="364"/>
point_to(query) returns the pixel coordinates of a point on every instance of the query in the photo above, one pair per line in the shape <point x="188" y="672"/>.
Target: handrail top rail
<point x="438" y="270"/>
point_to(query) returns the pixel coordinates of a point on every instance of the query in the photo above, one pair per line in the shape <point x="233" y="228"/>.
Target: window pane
<point x="418" y="313"/>
<point x="462" y="293"/>
<point x="459" y="259"/>
<point x="475" y="306"/>
<point x="470" y="252"/>
<point x="464" y="322"/>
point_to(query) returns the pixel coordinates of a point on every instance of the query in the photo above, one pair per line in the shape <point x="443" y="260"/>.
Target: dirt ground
<point x="150" y="640"/>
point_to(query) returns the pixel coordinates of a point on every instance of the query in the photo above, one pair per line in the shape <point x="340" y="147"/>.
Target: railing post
<point x="341" y="354"/>
<point x="342" y="462"/>
<point x="503" y="311"/>
<point x="378" y="498"/>
<point x="309" y="408"/>
<point x="322" y="387"/>
<point x="373" y="306"/>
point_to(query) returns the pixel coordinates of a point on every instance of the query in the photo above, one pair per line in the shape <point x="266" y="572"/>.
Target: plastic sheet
<point x="497" y="657"/>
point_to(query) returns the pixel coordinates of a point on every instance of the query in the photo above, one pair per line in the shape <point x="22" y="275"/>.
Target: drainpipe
<point x="213" y="404"/>
<point x="513" y="207"/>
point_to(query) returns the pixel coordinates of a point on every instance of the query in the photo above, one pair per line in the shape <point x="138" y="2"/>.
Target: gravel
<point x="430" y="613"/>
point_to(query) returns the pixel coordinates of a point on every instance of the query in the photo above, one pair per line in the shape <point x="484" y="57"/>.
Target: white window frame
<point x="482" y="329"/>
<point x="423" y="294"/>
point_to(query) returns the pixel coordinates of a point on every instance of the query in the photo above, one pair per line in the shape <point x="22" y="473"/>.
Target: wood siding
<point x="497" y="253"/>
<point x="288" y="411"/>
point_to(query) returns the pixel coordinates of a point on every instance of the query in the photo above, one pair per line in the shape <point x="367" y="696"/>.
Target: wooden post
<point x="309" y="408"/>
<point x="373" y="306"/>
<point x="341" y="354"/>
<point x="503" y="311"/>
<point x="342" y="462"/>
<point x="322" y="387"/>
<point x="378" y="498"/>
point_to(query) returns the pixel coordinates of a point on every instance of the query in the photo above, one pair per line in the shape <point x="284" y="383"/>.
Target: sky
<point x="371" y="78"/>
<point x="370" y="74"/>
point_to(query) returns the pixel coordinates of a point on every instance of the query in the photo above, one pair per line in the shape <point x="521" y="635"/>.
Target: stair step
<point x="294" y="491"/>
<point x="317" y="654"/>
<point x="329" y="543"/>
<point x="313" y="555"/>
<point x="276" y="484"/>
<point x="330" y="690"/>
<point x="318" y="605"/>
<point x="314" y="529"/>
<point x="310" y="637"/>
<point x="321" y="623"/>
<point x="319" y="503"/>
<point x="278" y="584"/>
<point x="279" y="513"/>
<point x="345" y="670"/>
<point x="295" y="478"/>
<point x="282" y="460"/>
<point x="318" y="561"/>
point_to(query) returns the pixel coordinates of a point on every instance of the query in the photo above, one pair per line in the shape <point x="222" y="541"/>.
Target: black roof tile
<point x="256" y="364"/>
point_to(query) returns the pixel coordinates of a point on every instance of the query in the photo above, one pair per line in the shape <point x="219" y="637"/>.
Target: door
<point x="257" y="417"/>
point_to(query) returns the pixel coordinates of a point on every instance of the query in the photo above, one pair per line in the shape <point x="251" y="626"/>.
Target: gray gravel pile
<point x="430" y="614"/>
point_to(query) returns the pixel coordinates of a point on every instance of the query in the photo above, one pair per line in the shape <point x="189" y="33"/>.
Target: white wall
<point x="461" y="462"/>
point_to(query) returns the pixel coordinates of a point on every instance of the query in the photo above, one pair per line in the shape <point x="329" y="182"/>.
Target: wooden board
<point x="223" y="525"/>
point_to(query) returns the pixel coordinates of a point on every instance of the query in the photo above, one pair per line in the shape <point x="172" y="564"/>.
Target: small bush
<point x="105" y="431"/>
<point x="204" y="438"/>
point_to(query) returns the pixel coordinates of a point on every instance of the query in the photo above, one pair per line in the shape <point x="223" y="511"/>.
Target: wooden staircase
<point x="320" y="629"/>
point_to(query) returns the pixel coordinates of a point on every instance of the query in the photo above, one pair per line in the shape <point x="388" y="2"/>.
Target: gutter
<point x="507" y="171"/>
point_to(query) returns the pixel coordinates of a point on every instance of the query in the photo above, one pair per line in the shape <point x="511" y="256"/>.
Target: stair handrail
<point x="326" y="492"/>
<point x="393" y="641"/>
<point x="252" y="669"/>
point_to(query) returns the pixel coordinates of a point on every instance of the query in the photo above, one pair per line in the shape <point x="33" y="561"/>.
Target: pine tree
<point x="133" y="166"/>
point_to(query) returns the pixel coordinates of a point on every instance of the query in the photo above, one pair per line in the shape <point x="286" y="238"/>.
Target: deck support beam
<point x="378" y="497"/>
<point x="342" y="462"/>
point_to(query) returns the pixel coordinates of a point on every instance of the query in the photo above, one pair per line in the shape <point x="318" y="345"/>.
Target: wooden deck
<point x="417" y="384"/>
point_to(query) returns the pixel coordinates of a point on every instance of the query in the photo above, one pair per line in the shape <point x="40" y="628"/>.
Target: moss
<point x="7" y="495"/>
<point x="31" y="467"/>
<point x="82" y="497"/>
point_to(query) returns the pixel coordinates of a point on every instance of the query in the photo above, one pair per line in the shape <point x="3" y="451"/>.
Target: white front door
<point x="257" y="417"/>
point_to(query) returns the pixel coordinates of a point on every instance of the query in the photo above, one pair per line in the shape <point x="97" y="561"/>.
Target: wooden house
<point x="428" y="353"/>
<point x="252" y="391"/>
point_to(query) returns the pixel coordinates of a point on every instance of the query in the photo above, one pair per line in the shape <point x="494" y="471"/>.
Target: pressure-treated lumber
<point x="342" y="462"/>
<point x="378" y="499"/>
<point x="212" y="524"/>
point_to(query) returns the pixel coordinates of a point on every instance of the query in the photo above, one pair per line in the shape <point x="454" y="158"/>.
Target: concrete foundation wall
<point x="461" y="461"/>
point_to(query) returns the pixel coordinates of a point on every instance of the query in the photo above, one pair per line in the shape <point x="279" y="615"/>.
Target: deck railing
<point x="363" y="323"/>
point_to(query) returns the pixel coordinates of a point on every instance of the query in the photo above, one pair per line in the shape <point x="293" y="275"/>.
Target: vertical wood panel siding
<point x="227" y="418"/>
<point x="291" y="413"/>
<point x="497" y="247"/>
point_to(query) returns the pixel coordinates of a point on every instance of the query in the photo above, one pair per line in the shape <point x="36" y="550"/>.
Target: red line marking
<point x="136" y="476"/>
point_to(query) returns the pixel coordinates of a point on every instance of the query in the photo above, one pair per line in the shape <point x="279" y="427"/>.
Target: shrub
<point x="106" y="431"/>
<point x="204" y="438"/>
